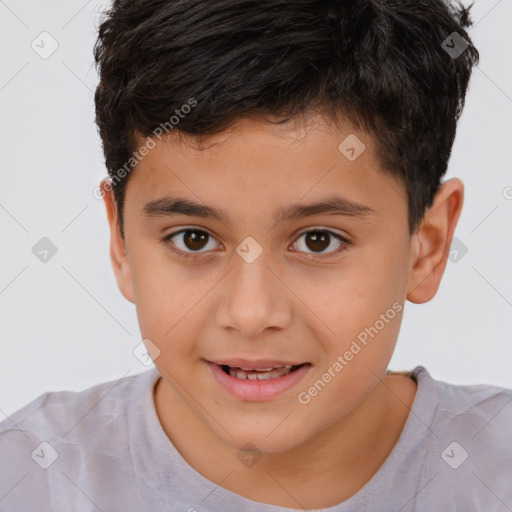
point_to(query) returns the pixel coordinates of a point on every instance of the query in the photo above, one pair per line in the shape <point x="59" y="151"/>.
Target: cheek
<point x="363" y="308"/>
<point x="170" y="307"/>
<point x="359" y="296"/>
<point x="163" y="291"/>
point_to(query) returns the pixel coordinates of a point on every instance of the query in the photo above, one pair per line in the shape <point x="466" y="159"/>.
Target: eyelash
<point x="168" y="241"/>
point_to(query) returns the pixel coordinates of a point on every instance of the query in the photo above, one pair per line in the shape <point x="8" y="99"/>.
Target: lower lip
<point x="257" y="390"/>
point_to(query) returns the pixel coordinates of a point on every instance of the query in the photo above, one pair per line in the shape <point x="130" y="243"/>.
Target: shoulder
<point x="468" y="444"/>
<point x="61" y="431"/>
<point x="58" y="413"/>
<point x="476" y="411"/>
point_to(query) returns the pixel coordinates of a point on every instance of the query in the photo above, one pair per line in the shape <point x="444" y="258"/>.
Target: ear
<point x="118" y="252"/>
<point x="432" y="240"/>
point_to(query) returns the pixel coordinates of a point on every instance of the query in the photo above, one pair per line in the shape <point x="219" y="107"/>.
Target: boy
<point x="274" y="198"/>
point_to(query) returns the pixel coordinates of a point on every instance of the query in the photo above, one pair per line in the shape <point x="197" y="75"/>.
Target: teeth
<point x="265" y="369"/>
<point x="260" y="373"/>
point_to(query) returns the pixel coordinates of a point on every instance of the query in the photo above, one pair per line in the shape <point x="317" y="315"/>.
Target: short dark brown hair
<point x="380" y="64"/>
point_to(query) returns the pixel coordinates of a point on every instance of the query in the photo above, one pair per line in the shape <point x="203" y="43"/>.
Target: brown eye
<point x="190" y="241"/>
<point x="195" y="241"/>
<point x="316" y="241"/>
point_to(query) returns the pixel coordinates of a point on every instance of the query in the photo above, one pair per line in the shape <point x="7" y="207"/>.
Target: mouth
<point x="257" y="380"/>
<point x="272" y="372"/>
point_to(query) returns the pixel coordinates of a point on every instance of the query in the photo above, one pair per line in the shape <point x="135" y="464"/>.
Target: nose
<point x="254" y="299"/>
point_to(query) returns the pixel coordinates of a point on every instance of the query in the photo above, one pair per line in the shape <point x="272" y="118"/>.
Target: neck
<point x="336" y="462"/>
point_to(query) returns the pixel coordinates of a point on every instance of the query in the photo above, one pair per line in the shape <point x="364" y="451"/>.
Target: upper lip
<point x="253" y="365"/>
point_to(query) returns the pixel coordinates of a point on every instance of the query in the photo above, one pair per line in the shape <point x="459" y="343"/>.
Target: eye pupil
<point x="194" y="240"/>
<point x="319" y="239"/>
<point x="198" y="241"/>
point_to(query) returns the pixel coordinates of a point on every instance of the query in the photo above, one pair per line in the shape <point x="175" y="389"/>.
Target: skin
<point x="291" y="303"/>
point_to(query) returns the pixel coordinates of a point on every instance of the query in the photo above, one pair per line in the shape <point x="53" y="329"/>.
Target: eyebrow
<point x="334" y="205"/>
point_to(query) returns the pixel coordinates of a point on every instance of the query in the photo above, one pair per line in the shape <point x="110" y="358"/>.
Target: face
<point x="231" y="265"/>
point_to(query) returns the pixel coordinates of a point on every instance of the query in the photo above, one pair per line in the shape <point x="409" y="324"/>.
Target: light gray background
<point x="64" y="323"/>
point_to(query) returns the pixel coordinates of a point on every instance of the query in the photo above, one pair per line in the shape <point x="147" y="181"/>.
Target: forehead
<point x="258" y="165"/>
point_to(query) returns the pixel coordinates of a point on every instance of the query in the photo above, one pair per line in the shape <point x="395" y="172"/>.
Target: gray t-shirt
<point x="103" y="449"/>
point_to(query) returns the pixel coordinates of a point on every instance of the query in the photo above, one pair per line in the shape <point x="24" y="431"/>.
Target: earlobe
<point x="431" y="243"/>
<point x="118" y="252"/>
